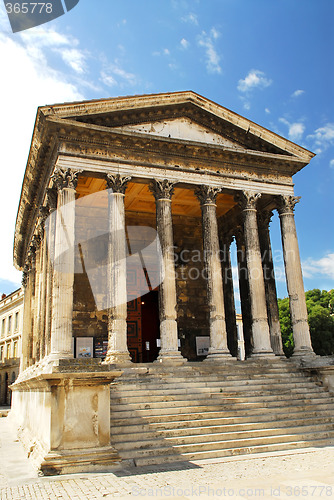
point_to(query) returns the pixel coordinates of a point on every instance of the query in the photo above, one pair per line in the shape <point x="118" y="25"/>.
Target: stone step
<point x="253" y="395"/>
<point x="242" y="450"/>
<point x="220" y="401"/>
<point x="204" y="420"/>
<point x="165" y="447"/>
<point x="165" y="440"/>
<point x="229" y="410"/>
<point x="145" y="432"/>
<point x="195" y="379"/>
<point x="247" y="386"/>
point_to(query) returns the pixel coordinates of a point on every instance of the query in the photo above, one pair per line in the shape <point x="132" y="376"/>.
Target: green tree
<point x="320" y="308"/>
<point x="286" y="326"/>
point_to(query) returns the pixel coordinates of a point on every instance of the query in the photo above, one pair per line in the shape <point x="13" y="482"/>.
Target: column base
<point x="219" y="354"/>
<point x="303" y="351"/>
<point x="119" y="358"/>
<point x="171" y="358"/>
<point x="265" y="353"/>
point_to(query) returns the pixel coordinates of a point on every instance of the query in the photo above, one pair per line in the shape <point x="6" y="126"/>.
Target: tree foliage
<point x="320" y="308"/>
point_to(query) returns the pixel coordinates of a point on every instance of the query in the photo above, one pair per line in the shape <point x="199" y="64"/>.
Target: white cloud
<point x="254" y="79"/>
<point x="27" y="82"/>
<point x="212" y="57"/>
<point x="298" y="93"/>
<point x="114" y="75"/>
<point x="324" y="266"/>
<point x="322" y="138"/>
<point x="184" y="43"/>
<point x="75" y="59"/>
<point x="108" y="79"/>
<point x="331" y="163"/>
<point x="296" y="129"/>
<point x="166" y="52"/>
<point x="267" y="110"/>
<point x="46" y="37"/>
<point x="190" y="18"/>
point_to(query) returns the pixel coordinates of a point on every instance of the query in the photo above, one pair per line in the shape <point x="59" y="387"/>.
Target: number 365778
<point x="28" y="8"/>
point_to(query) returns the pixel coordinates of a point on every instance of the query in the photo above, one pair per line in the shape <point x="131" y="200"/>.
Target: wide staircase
<point x="206" y="410"/>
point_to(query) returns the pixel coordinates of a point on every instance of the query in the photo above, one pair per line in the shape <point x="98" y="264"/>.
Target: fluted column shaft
<point x="229" y="301"/>
<point x="264" y="219"/>
<point x="117" y="295"/>
<point x="27" y="324"/>
<point x="163" y="191"/>
<point x="260" y="327"/>
<point x="50" y="229"/>
<point x="294" y="277"/>
<point x="63" y="276"/>
<point x="42" y="282"/>
<point x="36" y="300"/>
<point x="244" y="291"/>
<point x="215" y="295"/>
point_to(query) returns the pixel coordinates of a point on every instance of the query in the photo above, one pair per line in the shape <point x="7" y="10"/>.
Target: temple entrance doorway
<point x="143" y="328"/>
<point x="150" y="326"/>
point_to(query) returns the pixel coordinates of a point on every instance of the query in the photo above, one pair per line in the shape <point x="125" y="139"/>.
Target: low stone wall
<point x="63" y="417"/>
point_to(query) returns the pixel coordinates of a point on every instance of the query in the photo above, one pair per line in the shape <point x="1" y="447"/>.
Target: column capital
<point x="247" y="200"/>
<point x="31" y="255"/>
<point x="207" y="195"/>
<point x="162" y="189"/>
<point x="226" y="237"/>
<point x="65" y="178"/>
<point x="42" y="216"/>
<point x="36" y="240"/>
<point x="51" y="199"/>
<point x="264" y="218"/>
<point x="24" y="279"/>
<point x="239" y="235"/>
<point x="286" y="204"/>
<point x="117" y="183"/>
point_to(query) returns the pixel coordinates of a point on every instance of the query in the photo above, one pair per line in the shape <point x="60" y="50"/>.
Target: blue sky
<point x="268" y="60"/>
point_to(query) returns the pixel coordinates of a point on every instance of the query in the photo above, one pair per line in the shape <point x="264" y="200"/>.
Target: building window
<point x="9" y="324"/>
<point x="3" y="326"/>
<point x="8" y="351"/>
<point x="15" y="349"/>
<point x="1" y="353"/>
<point x="16" y="325"/>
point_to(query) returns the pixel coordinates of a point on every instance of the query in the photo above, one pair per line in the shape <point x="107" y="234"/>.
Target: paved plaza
<point x="308" y="473"/>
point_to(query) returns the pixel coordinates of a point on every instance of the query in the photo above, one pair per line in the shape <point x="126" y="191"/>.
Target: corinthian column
<point x="50" y="230"/>
<point x="63" y="278"/>
<point x="264" y="219"/>
<point x="27" y="326"/>
<point x="260" y="327"/>
<point x="117" y="296"/>
<point x="43" y="213"/>
<point x="218" y="337"/>
<point x="294" y="277"/>
<point x="162" y="192"/>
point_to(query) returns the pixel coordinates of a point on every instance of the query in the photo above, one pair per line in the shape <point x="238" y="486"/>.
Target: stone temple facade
<point x="128" y="209"/>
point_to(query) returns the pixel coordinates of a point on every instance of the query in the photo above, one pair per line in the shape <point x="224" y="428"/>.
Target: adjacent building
<point x="11" y="324"/>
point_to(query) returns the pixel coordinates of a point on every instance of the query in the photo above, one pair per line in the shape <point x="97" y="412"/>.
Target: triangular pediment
<point x="180" y="128"/>
<point x="178" y="115"/>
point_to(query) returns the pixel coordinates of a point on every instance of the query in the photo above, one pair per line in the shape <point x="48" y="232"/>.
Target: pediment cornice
<point x="115" y="112"/>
